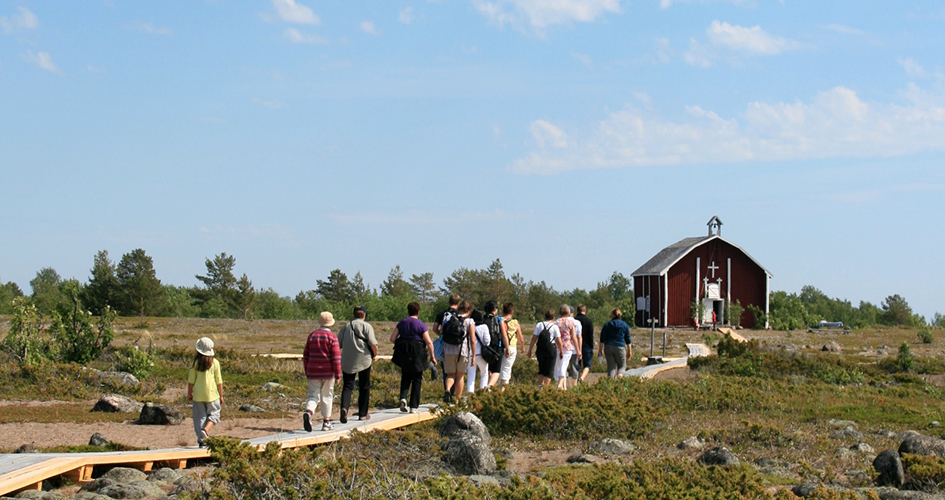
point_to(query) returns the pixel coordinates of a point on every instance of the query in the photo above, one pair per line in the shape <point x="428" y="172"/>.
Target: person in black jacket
<point x="587" y="338"/>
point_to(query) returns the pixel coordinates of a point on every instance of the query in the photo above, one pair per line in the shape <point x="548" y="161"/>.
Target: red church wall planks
<point x="748" y="286"/>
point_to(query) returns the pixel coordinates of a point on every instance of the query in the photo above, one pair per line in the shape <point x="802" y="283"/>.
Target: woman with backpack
<point x="495" y="351"/>
<point x="547" y="337"/>
<point x="483" y="338"/>
<point x="459" y="341"/>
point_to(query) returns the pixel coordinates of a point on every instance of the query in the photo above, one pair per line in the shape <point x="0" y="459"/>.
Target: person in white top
<point x="482" y="337"/>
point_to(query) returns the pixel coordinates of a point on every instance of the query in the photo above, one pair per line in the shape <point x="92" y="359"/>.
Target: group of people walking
<point x="467" y="340"/>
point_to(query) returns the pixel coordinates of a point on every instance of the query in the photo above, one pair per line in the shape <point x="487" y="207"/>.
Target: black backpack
<point x="545" y="344"/>
<point x="493" y="352"/>
<point x="453" y="331"/>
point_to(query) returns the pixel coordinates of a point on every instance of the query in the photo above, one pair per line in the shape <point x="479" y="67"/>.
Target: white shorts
<point x="505" y="374"/>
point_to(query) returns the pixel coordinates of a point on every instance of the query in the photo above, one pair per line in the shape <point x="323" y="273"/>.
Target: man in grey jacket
<point x="358" y="349"/>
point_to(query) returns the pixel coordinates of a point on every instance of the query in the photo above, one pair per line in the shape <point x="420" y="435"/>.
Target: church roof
<point x="662" y="261"/>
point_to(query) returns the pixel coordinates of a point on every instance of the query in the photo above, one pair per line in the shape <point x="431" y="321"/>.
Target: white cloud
<point x="699" y="54"/>
<point x="542" y="13"/>
<point x="406" y="15"/>
<point x="843" y="29"/>
<point x="153" y="30"/>
<point x="833" y="124"/>
<point x="269" y="103"/>
<point x="41" y="60"/>
<point x="752" y="40"/>
<point x="547" y="135"/>
<point x="296" y="36"/>
<point x="583" y="59"/>
<point x="665" y="4"/>
<point x="912" y="68"/>
<point x="290" y="11"/>
<point x="369" y="28"/>
<point x="23" y="20"/>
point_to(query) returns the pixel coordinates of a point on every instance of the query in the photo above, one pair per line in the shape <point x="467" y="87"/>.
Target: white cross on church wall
<point x="713" y="267"/>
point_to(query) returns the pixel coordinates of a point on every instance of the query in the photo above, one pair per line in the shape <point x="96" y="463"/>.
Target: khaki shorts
<point x="455" y="363"/>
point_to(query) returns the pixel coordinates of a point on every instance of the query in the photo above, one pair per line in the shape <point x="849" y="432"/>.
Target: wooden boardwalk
<point x="29" y="470"/>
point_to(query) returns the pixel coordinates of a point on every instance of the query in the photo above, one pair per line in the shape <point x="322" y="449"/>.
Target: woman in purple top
<point x="411" y="345"/>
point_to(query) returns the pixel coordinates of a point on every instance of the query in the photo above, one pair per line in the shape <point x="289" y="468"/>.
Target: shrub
<point x="77" y="339"/>
<point x="615" y="408"/>
<point x="135" y="361"/>
<point x="925" y="335"/>
<point x="27" y="341"/>
<point x="925" y="473"/>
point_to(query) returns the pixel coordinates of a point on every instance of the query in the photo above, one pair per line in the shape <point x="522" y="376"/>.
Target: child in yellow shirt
<point x="205" y="389"/>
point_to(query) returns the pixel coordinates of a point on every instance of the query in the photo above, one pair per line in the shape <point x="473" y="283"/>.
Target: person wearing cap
<point x="358" y="350"/>
<point x="205" y="390"/>
<point x="321" y="359"/>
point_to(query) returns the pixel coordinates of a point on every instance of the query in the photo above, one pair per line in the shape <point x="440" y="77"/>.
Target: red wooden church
<point x="705" y="269"/>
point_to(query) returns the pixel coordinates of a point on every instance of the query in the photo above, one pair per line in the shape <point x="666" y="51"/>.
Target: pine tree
<point x="139" y="290"/>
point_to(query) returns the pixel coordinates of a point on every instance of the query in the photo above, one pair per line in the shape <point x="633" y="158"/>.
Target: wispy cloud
<point x="540" y="14"/>
<point x="843" y="29"/>
<point x="406" y="15"/>
<point x="369" y="28"/>
<point x="833" y="124"/>
<point x="752" y="40"/>
<point x="270" y="104"/>
<point x="290" y="11"/>
<point x="417" y="217"/>
<point x="153" y="30"/>
<point x="584" y="59"/>
<point x="23" y="20"/>
<point x="912" y="68"/>
<point x="296" y="36"/>
<point x="724" y="38"/>
<point x="41" y="60"/>
<point x="881" y="193"/>
<point x="665" y="4"/>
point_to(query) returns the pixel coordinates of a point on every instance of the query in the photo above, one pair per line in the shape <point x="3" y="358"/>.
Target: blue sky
<point x="569" y="138"/>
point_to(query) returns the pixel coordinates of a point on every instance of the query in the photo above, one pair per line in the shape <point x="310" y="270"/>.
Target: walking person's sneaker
<point x="447" y="397"/>
<point x="326" y="425"/>
<point x="203" y="437"/>
<point x="344" y="416"/>
<point x="366" y="417"/>
<point x="414" y="410"/>
<point x="403" y="405"/>
<point x="307" y="421"/>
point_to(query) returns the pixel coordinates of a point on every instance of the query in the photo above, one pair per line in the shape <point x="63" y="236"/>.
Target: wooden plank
<point x="32" y="477"/>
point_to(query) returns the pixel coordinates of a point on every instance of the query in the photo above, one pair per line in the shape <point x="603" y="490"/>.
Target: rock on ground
<point x="610" y="446"/>
<point x="115" y="403"/>
<point x="917" y="444"/>
<point x="718" y="456"/>
<point x="469" y="455"/>
<point x="164" y="475"/>
<point x="691" y="443"/>
<point x="132" y="490"/>
<point x="98" y="440"/>
<point x="832" y="347"/>
<point x="463" y="424"/>
<point x="889" y="467"/>
<point x="248" y="408"/>
<point x="156" y="414"/>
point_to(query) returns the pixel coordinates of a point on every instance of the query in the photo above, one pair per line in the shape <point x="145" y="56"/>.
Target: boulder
<point x="888" y="493"/>
<point x="271" y="386"/>
<point x="26" y="448"/>
<point x="132" y="490"/>
<point x="124" y="475"/>
<point x="889" y="468"/>
<point x="610" y="446"/>
<point x="164" y="475"/>
<point x="98" y="440"/>
<point x="38" y="495"/>
<point x="88" y="495"/>
<point x="582" y="458"/>
<point x="718" y="456"/>
<point x="841" y="424"/>
<point x="862" y="448"/>
<point x="849" y="432"/>
<point x="480" y="480"/>
<point x="248" y="408"/>
<point x="465" y="424"/>
<point x="832" y="346"/>
<point x="124" y="378"/>
<point x="115" y="403"/>
<point x="917" y="444"/>
<point x="691" y="443"/>
<point x="804" y="490"/>
<point x="469" y="455"/>
<point x="155" y="414"/>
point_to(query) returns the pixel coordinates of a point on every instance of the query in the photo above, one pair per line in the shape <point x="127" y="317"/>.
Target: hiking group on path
<point x="467" y="340"/>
